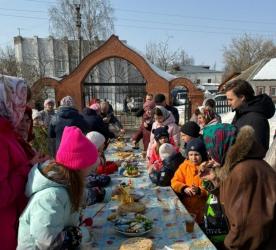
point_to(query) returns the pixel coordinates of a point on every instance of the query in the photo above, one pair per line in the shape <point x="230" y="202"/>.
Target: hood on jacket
<point x="67" y="112"/>
<point x="262" y="104"/>
<point x="169" y="120"/>
<point x="89" y="111"/>
<point x="38" y="182"/>
<point x="244" y="148"/>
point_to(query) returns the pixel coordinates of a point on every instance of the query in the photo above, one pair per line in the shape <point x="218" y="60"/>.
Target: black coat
<point x="170" y="165"/>
<point x="66" y="116"/>
<point x="95" y="123"/>
<point x="256" y="114"/>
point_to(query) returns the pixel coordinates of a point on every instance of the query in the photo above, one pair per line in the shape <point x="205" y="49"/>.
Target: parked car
<point x="220" y="97"/>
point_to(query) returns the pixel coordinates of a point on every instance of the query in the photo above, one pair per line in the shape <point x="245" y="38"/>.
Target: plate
<point x="137" y="195"/>
<point x="127" y="175"/>
<point x="132" y="234"/>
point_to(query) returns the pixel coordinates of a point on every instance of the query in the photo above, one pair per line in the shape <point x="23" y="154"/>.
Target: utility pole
<point x="78" y="25"/>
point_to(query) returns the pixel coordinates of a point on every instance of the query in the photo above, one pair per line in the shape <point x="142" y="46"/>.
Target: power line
<point x="28" y="17"/>
<point x="194" y="17"/>
<point x="40" y="11"/>
<point x="38" y="1"/>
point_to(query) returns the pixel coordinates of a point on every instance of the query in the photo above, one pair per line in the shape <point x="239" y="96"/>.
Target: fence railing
<point x="222" y="107"/>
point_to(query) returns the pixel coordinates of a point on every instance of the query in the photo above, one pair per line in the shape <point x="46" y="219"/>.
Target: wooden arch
<point x="195" y="95"/>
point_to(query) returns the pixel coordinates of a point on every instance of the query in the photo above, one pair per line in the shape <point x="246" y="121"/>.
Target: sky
<point x="202" y="28"/>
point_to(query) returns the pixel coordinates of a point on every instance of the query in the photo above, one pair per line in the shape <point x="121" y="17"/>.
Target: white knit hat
<point x="166" y="150"/>
<point x="35" y="114"/>
<point x="96" y="138"/>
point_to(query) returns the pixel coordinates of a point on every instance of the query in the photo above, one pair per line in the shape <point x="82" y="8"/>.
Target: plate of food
<point x="131" y="171"/>
<point x="133" y="225"/>
<point x="136" y="194"/>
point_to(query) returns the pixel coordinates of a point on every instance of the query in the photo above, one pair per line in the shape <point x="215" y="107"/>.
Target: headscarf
<point x="218" y="139"/>
<point x="148" y="105"/>
<point x="164" y="111"/>
<point x="96" y="107"/>
<point x="207" y="113"/>
<point x="13" y="98"/>
<point x="49" y="100"/>
<point x="67" y="101"/>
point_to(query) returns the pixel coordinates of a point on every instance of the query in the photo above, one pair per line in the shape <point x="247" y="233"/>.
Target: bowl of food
<point x="131" y="171"/>
<point x="133" y="225"/>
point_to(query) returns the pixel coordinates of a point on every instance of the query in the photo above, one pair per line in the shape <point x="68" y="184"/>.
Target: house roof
<point x="189" y="69"/>
<point x="267" y="72"/>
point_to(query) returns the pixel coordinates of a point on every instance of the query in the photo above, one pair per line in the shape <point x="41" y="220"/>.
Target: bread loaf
<point x="134" y="207"/>
<point x="137" y="243"/>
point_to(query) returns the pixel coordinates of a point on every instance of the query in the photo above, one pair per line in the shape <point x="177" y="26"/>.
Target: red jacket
<point x="14" y="167"/>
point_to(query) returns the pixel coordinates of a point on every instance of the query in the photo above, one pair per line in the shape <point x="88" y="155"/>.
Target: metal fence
<point x="185" y="112"/>
<point x="222" y="107"/>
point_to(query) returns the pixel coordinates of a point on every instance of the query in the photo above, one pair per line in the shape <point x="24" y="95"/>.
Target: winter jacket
<point x="39" y="143"/>
<point x="47" y="213"/>
<point x="248" y="194"/>
<point x="173" y="130"/>
<point x="46" y="117"/>
<point x="66" y="116"/>
<point x="166" y="173"/>
<point x="185" y="176"/>
<point x="14" y="167"/>
<point x="256" y="114"/>
<point x="95" y="123"/>
<point x="143" y="132"/>
<point x="112" y="120"/>
<point x="175" y="113"/>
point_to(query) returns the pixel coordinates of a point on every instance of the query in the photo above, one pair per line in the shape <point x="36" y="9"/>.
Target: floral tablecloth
<point x="162" y="206"/>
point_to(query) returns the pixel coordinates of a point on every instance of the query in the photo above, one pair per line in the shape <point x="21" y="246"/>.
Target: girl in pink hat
<point x="56" y="188"/>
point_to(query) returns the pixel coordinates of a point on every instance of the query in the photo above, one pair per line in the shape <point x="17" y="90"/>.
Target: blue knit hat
<point x="198" y="146"/>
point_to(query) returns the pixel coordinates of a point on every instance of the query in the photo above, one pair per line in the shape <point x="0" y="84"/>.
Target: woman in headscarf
<point x="246" y="183"/>
<point x="14" y="163"/>
<point x="163" y="118"/>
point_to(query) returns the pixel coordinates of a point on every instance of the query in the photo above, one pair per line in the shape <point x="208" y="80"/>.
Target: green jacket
<point x="47" y="213"/>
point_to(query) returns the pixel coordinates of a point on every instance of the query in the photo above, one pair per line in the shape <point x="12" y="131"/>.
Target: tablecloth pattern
<point x="162" y="206"/>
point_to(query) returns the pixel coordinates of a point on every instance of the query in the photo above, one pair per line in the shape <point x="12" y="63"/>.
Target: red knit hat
<point x="76" y="151"/>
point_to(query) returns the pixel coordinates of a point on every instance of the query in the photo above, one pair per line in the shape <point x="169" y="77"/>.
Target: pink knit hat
<point x="76" y="151"/>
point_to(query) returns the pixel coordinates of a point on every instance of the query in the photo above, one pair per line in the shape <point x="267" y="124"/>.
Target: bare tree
<point x="97" y="19"/>
<point x="161" y="55"/>
<point x="245" y="51"/>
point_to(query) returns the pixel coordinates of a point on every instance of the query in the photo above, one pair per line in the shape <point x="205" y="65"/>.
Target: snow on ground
<point x="228" y="117"/>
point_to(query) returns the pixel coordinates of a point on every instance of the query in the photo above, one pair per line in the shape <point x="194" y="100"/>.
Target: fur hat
<point x="67" y="101"/>
<point x="96" y="138"/>
<point x="75" y="150"/>
<point x="190" y="128"/>
<point x="166" y="150"/>
<point x="159" y="132"/>
<point x="198" y="146"/>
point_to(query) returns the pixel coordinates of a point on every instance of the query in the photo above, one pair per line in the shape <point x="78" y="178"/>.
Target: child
<point x="186" y="182"/>
<point x="105" y="167"/>
<point x="161" y="136"/>
<point x="189" y="131"/>
<point x="170" y="163"/>
<point x="56" y="189"/>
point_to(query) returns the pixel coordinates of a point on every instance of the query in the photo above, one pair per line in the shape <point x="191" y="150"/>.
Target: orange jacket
<point x="186" y="176"/>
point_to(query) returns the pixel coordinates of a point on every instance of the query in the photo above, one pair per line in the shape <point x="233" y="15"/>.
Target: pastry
<point x="134" y="207"/>
<point x="137" y="243"/>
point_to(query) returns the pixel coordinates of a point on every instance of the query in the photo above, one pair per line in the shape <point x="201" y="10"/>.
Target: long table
<point x="162" y="206"/>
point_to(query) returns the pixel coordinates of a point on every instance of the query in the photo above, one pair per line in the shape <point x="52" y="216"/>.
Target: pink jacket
<point x="14" y="167"/>
<point x="173" y="130"/>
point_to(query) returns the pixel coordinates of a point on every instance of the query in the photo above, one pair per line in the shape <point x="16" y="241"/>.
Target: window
<point x="209" y="80"/>
<point x="272" y="91"/>
<point x="197" y="81"/>
<point x="260" y="90"/>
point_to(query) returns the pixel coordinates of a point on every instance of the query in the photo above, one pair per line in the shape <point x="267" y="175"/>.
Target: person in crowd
<point x="186" y="182"/>
<point x="67" y="115"/>
<point x="171" y="159"/>
<point x="246" y="185"/>
<point x="270" y="156"/>
<point x="105" y="167"/>
<point x="250" y="109"/>
<point x="48" y="113"/>
<point x="14" y="163"/>
<point x="146" y="125"/>
<point x="190" y="130"/>
<point x="94" y="121"/>
<point x="211" y="104"/>
<point x="148" y="98"/>
<point x="126" y="101"/>
<point x="163" y="118"/>
<point x="161" y="136"/>
<point x="57" y="191"/>
<point x="39" y="143"/>
<point x="160" y="100"/>
<point x="205" y="117"/>
<point x="109" y="118"/>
